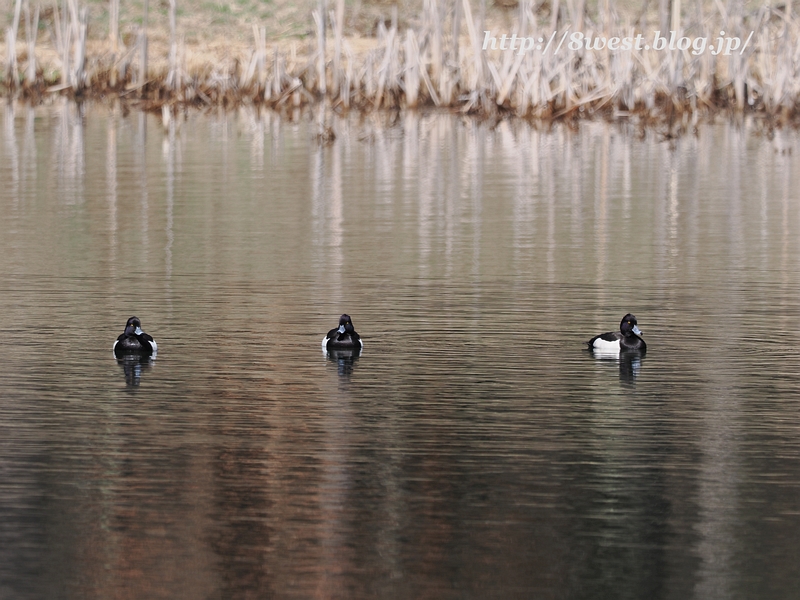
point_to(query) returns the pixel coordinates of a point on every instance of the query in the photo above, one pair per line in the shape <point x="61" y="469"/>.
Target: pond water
<point x="474" y="449"/>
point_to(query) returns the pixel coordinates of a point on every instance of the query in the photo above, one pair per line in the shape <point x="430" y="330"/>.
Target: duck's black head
<point x="345" y="324"/>
<point x="628" y="326"/>
<point x="133" y="325"/>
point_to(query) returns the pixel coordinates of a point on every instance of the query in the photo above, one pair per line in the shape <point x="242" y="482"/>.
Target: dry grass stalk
<point x="412" y="70"/>
<point x="173" y="77"/>
<point x="31" y="29"/>
<point x="386" y="62"/>
<point x="81" y="23"/>
<point x="347" y="83"/>
<point x="141" y="44"/>
<point x="12" y="68"/>
<point x="319" y="22"/>
<point x="338" y="28"/>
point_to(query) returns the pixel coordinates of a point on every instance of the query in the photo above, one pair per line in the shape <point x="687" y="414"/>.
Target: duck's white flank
<point x="606" y="346"/>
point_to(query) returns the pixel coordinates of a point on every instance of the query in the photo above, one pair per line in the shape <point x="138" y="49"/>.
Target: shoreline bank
<point x="449" y="58"/>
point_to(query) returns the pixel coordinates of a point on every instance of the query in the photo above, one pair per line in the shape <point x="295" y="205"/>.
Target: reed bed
<point x="443" y="60"/>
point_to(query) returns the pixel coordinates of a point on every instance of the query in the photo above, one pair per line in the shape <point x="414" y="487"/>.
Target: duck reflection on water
<point x="345" y="359"/>
<point x="630" y="362"/>
<point x="133" y="365"/>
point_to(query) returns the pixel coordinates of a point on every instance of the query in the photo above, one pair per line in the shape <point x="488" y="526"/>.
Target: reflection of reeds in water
<point x="450" y="197"/>
<point x="442" y="62"/>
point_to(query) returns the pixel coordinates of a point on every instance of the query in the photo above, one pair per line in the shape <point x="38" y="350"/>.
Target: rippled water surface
<point x="475" y="449"/>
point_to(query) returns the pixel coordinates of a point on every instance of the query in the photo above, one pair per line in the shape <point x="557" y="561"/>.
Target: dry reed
<point x="442" y="62"/>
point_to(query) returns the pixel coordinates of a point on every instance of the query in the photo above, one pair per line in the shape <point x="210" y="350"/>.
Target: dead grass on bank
<point x="434" y="58"/>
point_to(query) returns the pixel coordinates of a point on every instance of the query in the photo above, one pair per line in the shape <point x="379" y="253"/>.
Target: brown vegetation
<point x="431" y="57"/>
